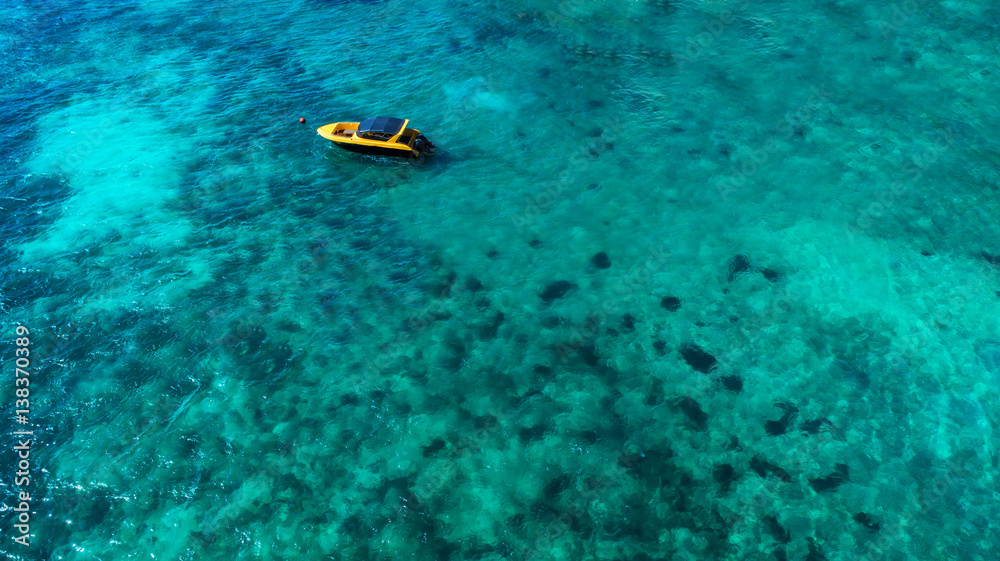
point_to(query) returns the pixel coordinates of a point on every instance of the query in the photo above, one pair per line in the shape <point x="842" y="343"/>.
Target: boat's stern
<point x="416" y="142"/>
<point x="422" y="145"/>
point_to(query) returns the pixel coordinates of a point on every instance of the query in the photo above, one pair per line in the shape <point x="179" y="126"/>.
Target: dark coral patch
<point x="490" y="330"/>
<point x="694" y="412"/>
<point x="777" y="530"/>
<point x="738" y="265"/>
<point x="533" y="433"/>
<point x="867" y="521"/>
<point x="628" y="322"/>
<point x="670" y="303"/>
<point x="588" y="352"/>
<point x="557" y="486"/>
<point x="813" y="426"/>
<point x="832" y="481"/>
<point x="764" y="468"/>
<point x="732" y="383"/>
<point x="433" y="448"/>
<point x="780" y="426"/>
<point x="697" y="358"/>
<point x="601" y="260"/>
<point x="556" y="290"/>
<point x="724" y="475"/>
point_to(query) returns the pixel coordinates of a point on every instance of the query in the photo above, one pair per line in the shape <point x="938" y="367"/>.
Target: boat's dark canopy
<point x="388" y="125"/>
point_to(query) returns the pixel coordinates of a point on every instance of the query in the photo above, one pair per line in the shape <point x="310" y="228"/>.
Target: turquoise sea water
<point x="686" y="280"/>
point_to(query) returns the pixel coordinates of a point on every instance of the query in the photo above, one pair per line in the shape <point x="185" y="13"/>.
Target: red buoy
<point x="302" y="119"/>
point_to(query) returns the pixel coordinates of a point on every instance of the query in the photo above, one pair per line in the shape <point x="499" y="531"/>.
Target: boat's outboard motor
<point x="424" y="145"/>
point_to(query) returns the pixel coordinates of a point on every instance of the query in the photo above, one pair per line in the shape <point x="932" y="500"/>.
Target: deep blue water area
<point x="685" y="279"/>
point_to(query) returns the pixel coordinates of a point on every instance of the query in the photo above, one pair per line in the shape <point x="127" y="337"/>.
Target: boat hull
<point x="377" y="150"/>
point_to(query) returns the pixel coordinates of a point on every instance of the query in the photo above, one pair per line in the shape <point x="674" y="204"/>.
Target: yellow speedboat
<point x="379" y="136"/>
